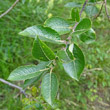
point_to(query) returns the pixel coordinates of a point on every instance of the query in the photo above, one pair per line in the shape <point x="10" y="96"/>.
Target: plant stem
<point x="6" y="12"/>
<point x="14" y="86"/>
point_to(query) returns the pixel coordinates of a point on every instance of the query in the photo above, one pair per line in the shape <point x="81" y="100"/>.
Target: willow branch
<point x="106" y="10"/>
<point x="6" y="12"/>
<point x="14" y="86"/>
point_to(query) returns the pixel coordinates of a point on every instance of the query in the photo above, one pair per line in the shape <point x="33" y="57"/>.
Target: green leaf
<point x="88" y="37"/>
<point x="75" y="67"/>
<point x="75" y="15"/>
<point x="63" y="56"/>
<point x="45" y="33"/>
<point x="29" y="82"/>
<point x="58" y="24"/>
<point x="41" y="51"/>
<point x="72" y="5"/>
<point x="69" y="51"/>
<point x="49" y="88"/>
<point x="28" y="72"/>
<point x="91" y="10"/>
<point x="83" y="26"/>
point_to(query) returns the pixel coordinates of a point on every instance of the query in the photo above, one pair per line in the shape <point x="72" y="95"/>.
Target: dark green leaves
<point x="88" y="37"/>
<point x="49" y="87"/>
<point x="83" y="26"/>
<point x="28" y="72"/>
<point x="58" y="24"/>
<point x="74" y="67"/>
<point x="41" y="51"/>
<point x="44" y="33"/>
<point x="91" y="10"/>
<point x="72" y="5"/>
<point x="75" y="15"/>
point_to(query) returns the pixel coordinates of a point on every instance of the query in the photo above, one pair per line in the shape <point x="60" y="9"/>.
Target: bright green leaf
<point x="58" y="24"/>
<point x="28" y="72"/>
<point x="45" y="33"/>
<point x="91" y="10"/>
<point x="88" y="37"/>
<point x="41" y="51"/>
<point x="75" y="15"/>
<point x="75" y="67"/>
<point x="72" y="5"/>
<point x="83" y="26"/>
<point x="49" y="88"/>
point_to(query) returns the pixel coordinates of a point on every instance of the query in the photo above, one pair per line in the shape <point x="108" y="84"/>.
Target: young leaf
<point x="91" y="10"/>
<point x="58" y="24"/>
<point x="28" y="72"/>
<point x="49" y="88"/>
<point x="75" y="67"/>
<point x="45" y="33"/>
<point x="41" y="51"/>
<point x="72" y="5"/>
<point x="75" y="15"/>
<point x="88" y="37"/>
<point x="83" y="26"/>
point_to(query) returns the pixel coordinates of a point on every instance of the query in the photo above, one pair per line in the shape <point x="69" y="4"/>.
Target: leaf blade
<point x="28" y="72"/>
<point x="58" y="24"/>
<point x="49" y="87"/>
<point x="45" y="33"/>
<point x="41" y="51"/>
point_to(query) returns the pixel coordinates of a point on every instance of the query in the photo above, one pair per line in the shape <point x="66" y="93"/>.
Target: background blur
<point x="92" y="92"/>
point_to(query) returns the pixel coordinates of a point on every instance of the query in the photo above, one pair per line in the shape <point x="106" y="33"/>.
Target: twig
<point x="99" y="11"/>
<point x="6" y="12"/>
<point x="14" y="86"/>
<point x="106" y="10"/>
<point x="86" y="1"/>
<point x="83" y="7"/>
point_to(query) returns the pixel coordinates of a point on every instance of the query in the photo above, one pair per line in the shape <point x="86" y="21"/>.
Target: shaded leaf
<point x="91" y="10"/>
<point x="72" y="5"/>
<point x="45" y="33"/>
<point x="88" y="37"/>
<point x="58" y="24"/>
<point x="49" y="88"/>
<point x="29" y="82"/>
<point x="41" y="51"/>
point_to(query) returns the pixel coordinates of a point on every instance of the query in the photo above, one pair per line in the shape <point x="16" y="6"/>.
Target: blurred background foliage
<point x="90" y="93"/>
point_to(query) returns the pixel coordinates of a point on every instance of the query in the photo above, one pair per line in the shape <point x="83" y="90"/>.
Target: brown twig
<point x="6" y="12"/>
<point x="99" y="11"/>
<point x="14" y="86"/>
<point x="106" y="10"/>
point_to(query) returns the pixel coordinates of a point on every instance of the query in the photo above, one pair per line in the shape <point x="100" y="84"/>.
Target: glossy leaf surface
<point x="41" y="51"/>
<point x="58" y="24"/>
<point x="45" y="33"/>
<point x="83" y="26"/>
<point x="28" y="72"/>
